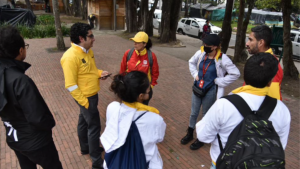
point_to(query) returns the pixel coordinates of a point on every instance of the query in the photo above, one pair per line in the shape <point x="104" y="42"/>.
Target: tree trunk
<point x="226" y="27"/>
<point x="131" y="15"/>
<point x="65" y="6"/>
<point x="149" y="25"/>
<point x="84" y="10"/>
<point x="144" y="13"/>
<point x="77" y="8"/>
<point x="244" y="54"/>
<point x="240" y="53"/>
<point x="289" y="67"/>
<point x="28" y="5"/>
<point x="169" y="22"/>
<point x="59" y="36"/>
<point x="186" y="8"/>
<point x="238" y="46"/>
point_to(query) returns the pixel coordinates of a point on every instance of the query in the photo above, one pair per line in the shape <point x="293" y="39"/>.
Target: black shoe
<point x="196" y="145"/>
<point x="84" y="152"/>
<point x="189" y="136"/>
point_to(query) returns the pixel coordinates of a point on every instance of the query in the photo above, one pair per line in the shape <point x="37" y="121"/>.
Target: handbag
<point x="200" y="92"/>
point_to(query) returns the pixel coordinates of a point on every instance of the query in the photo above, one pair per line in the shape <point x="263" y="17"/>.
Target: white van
<point x="157" y="18"/>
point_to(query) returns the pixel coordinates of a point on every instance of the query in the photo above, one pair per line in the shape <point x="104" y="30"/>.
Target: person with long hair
<point x="141" y="58"/>
<point x="133" y="89"/>
<point x="212" y="71"/>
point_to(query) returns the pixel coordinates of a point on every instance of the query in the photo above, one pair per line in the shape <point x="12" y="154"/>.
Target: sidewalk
<point x="172" y="97"/>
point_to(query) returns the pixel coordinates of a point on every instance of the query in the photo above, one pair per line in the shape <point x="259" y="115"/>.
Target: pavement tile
<point x="172" y="97"/>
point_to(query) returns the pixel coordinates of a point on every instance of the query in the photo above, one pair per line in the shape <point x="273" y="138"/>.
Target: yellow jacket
<point x="81" y="74"/>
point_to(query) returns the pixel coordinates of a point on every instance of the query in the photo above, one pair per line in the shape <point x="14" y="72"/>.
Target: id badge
<point x="201" y="83"/>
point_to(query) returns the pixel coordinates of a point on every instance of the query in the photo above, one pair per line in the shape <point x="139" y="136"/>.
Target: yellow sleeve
<point x="70" y="69"/>
<point x="100" y="72"/>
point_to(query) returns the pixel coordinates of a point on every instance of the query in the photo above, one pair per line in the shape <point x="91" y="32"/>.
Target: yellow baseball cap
<point x="140" y="37"/>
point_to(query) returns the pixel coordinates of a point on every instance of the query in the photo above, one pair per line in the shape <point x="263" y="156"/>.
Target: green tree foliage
<point x="275" y="4"/>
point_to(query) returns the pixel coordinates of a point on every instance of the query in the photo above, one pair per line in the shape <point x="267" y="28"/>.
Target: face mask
<point x="207" y="49"/>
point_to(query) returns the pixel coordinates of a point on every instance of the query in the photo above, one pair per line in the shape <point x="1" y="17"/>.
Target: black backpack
<point x="254" y="143"/>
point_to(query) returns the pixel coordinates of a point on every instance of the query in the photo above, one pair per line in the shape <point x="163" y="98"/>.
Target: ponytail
<point x="128" y="87"/>
<point x="149" y="44"/>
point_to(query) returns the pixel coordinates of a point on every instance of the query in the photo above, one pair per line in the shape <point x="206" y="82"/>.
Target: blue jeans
<point x="207" y="101"/>
<point x="213" y="166"/>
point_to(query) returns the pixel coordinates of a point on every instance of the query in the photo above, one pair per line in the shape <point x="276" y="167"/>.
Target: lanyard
<point x="204" y="70"/>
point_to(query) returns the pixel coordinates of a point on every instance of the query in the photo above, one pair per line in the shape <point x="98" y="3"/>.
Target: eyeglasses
<point x="91" y="36"/>
<point x="26" y="45"/>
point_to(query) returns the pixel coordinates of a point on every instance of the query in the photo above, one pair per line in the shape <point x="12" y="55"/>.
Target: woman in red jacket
<point x="141" y="58"/>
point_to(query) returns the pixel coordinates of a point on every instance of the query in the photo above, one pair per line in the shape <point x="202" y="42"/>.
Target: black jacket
<point x="26" y="116"/>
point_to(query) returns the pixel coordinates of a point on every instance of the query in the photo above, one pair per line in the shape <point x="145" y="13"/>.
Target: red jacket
<point x="140" y="63"/>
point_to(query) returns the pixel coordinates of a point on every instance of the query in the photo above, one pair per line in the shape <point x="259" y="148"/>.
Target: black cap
<point x="211" y="40"/>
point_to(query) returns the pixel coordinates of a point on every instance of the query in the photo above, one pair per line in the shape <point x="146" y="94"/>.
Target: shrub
<point x="45" y="20"/>
<point x="41" y="31"/>
<point x="44" y="28"/>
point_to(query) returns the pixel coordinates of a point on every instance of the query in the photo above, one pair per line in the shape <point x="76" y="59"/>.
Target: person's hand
<point x="197" y="78"/>
<point x="104" y="75"/>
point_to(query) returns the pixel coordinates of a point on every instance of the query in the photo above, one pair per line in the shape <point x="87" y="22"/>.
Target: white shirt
<point x="83" y="49"/>
<point x="223" y="117"/>
<point x="151" y="127"/>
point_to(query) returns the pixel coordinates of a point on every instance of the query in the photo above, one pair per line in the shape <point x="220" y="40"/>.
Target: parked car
<point x="156" y="18"/>
<point x="295" y="38"/>
<point x="194" y="27"/>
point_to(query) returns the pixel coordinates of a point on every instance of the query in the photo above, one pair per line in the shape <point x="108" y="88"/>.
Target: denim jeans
<point x="213" y="166"/>
<point x="207" y="101"/>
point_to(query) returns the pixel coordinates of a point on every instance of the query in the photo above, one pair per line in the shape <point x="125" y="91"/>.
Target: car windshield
<point x="203" y="23"/>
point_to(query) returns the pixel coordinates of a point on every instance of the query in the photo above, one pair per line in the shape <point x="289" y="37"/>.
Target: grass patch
<point x="233" y="25"/>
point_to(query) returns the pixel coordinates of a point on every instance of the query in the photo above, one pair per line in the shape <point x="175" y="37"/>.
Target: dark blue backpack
<point x="131" y="154"/>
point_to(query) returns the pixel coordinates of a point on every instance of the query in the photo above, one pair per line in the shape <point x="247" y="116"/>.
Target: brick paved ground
<point x="172" y="96"/>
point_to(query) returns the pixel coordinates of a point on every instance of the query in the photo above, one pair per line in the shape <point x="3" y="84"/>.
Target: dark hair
<point x="149" y="44"/>
<point x="128" y="87"/>
<point x="10" y="42"/>
<point x="260" y="69"/>
<point x="79" y="29"/>
<point x="263" y="32"/>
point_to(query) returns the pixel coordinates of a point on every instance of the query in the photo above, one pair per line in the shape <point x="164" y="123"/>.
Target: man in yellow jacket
<point x="82" y="81"/>
<point x="260" y="39"/>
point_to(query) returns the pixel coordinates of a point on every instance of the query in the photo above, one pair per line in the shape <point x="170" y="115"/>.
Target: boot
<point x="189" y="136"/>
<point x="196" y="145"/>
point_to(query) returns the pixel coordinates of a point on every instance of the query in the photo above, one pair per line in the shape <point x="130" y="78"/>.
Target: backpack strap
<point x="140" y="116"/>
<point x="240" y="104"/>
<point x="150" y="58"/>
<point x="130" y="54"/>
<point x="267" y="107"/>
